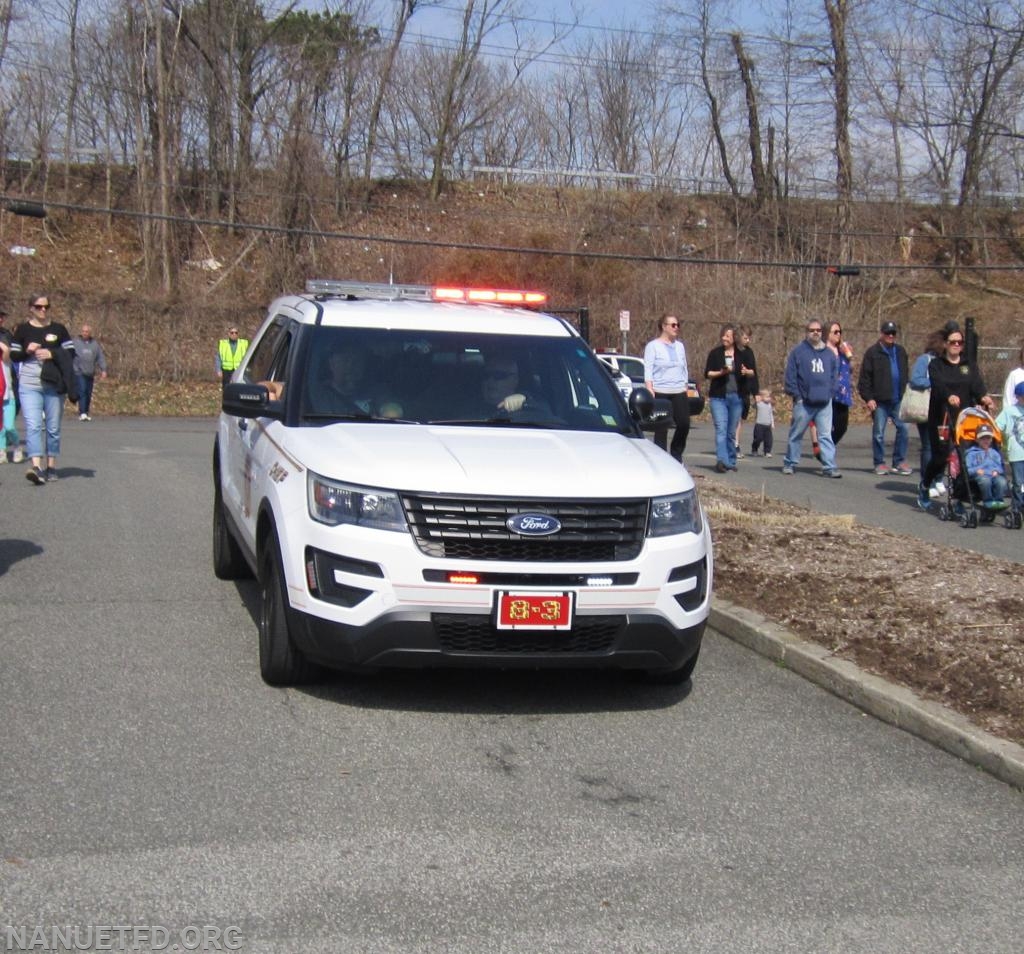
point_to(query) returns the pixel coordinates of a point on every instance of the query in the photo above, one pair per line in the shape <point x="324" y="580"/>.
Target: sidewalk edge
<point x="897" y="705"/>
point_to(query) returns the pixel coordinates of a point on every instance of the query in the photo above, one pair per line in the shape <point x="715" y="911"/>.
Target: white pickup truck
<point x="426" y="476"/>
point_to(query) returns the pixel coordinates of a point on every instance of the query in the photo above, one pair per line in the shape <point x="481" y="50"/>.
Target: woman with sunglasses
<point x="667" y="377"/>
<point x="44" y="352"/>
<point x="955" y="385"/>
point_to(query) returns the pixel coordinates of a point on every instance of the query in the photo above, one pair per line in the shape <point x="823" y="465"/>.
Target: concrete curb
<point x="884" y="700"/>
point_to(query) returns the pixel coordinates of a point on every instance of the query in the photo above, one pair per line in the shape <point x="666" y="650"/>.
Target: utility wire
<point x="514" y="249"/>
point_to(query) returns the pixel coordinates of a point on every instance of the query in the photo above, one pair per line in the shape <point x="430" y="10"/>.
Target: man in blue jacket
<point x="811" y="371"/>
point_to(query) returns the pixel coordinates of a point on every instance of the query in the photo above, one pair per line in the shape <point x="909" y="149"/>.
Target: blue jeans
<point x="85" y="383"/>
<point x="34" y="404"/>
<point x="1017" y="470"/>
<point x="991" y="488"/>
<point x="803" y="414"/>
<point x="889" y="411"/>
<point x="725" y="412"/>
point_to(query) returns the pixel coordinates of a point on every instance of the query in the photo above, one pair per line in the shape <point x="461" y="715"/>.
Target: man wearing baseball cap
<point x="882" y="381"/>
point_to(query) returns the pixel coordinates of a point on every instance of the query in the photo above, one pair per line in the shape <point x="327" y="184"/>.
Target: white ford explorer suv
<point x="417" y="479"/>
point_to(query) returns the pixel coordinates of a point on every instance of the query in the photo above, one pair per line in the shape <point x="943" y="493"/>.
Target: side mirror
<point x="250" y="400"/>
<point x="650" y="412"/>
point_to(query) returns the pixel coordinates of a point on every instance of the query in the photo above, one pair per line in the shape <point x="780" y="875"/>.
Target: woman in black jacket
<point x="44" y="351"/>
<point x="728" y="379"/>
<point x="955" y="385"/>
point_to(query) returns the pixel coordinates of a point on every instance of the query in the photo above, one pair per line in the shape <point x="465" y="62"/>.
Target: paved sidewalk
<point x="884" y="700"/>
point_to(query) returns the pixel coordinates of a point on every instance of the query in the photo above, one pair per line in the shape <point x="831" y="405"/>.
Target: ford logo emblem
<point x="533" y="524"/>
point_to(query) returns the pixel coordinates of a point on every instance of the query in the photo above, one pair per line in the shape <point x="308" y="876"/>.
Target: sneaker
<point x="903" y="470"/>
<point x="739" y="454"/>
<point x="922" y="497"/>
<point x="51" y="474"/>
<point x="767" y="454"/>
<point x="3" y="458"/>
<point x="834" y="474"/>
<point x="788" y="469"/>
<point x="18" y="456"/>
<point x="37" y="475"/>
<point x="882" y="470"/>
<point x="83" y="417"/>
<point x="720" y="468"/>
<point x="939" y="490"/>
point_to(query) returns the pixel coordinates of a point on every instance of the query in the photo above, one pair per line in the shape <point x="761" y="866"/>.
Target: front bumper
<point x="421" y="640"/>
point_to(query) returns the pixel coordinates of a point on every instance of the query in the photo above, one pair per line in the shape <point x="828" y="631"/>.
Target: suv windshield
<point x="444" y="377"/>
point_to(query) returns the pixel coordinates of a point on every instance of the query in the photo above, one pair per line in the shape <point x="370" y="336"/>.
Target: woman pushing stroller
<point x="955" y="385"/>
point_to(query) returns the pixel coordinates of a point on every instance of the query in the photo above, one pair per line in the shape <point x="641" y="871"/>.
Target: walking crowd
<point x="821" y="382"/>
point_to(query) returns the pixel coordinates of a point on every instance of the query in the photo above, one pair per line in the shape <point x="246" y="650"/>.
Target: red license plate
<point x="534" y="611"/>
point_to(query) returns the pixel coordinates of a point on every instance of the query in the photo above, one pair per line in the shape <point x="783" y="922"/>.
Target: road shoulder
<point x="942" y="727"/>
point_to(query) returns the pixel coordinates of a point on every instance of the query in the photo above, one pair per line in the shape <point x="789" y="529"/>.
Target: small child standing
<point x="985" y="464"/>
<point x="1011" y="423"/>
<point x="764" y="423"/>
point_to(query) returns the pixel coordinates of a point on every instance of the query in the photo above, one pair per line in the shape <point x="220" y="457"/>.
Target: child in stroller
<point x="971" y="497"/>
<point x="985" y="469"/>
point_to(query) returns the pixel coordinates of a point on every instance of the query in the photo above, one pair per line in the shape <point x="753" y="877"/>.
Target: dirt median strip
<point x="942" y="727"/>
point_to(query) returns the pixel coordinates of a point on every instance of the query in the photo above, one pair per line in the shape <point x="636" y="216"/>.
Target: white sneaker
<point x="939" y="490"/>
<point x="83" y="417"/>
<point x="18" y="455"/>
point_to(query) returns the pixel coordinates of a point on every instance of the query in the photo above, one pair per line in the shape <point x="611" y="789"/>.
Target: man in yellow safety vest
<point x="230" y="351"/>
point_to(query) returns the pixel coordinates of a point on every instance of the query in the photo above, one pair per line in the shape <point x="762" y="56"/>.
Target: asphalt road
<point x="150" y="779"/>
<point x="887" y="502"/>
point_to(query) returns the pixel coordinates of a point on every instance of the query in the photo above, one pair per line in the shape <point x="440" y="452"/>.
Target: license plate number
<point x="551" y="611"/>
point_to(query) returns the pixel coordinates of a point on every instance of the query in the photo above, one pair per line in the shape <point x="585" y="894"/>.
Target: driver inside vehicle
<point x="499" y="385"/>
<point x="344" y="391"/>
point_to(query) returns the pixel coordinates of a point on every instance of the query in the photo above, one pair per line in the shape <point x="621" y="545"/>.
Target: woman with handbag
<point x="919" y="392"/>
<point x="42" y="348"/>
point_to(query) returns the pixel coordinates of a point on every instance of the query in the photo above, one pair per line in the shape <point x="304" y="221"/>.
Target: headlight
<point x="334" y="503"/>
<point x="679" y="513"/>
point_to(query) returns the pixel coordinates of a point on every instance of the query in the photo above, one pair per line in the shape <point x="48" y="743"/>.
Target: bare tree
<point x="838" y="16"/>
<point x="762" y="191"/>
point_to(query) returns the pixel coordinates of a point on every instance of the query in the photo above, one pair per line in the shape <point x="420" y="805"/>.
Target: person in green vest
<point x="230" y="351"/>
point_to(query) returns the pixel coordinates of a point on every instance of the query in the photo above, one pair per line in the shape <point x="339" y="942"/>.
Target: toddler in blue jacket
<point x="985" y="464"/>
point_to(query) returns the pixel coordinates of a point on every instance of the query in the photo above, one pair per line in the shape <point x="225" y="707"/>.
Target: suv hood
<point x="508" y="461"/>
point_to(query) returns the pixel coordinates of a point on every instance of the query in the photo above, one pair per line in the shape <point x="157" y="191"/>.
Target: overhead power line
<point x="844" y="269"/>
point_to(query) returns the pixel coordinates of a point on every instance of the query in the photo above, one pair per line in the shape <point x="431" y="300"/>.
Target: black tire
<point x="281" y="664"/>
<point x="229" y="562"/>
<point x="1018" y="519"/>
<point x="673" y="677"/>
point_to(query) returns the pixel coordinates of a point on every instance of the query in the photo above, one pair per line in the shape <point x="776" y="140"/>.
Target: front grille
<point x="476" y="634"/>
<point x="473" y="528"/>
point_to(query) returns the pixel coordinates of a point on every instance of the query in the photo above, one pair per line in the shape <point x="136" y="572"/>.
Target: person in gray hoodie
<point x="811" y="371"/>
<point x="89" y="360"/>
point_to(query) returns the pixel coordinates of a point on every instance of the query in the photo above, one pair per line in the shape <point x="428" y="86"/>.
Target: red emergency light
<point x="499" y="296"/>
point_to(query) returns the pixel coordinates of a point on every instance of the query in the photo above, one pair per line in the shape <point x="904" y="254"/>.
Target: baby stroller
<point x="961" y="492"/>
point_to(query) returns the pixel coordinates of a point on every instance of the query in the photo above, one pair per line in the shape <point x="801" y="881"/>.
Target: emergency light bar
<point x="384" y="292"/>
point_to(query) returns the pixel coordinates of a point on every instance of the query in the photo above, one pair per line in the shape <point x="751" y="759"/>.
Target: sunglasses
<point x="41" y="307"/>
<point x="836" y="331"/>
<point x="814" y="331"/>
<point x="889" y="334"/>
<point x="498" y="375"/>
<point x="956" y="341"/>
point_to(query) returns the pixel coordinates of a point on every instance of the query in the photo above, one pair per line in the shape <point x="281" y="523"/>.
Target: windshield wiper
<point x="493" y="422"/>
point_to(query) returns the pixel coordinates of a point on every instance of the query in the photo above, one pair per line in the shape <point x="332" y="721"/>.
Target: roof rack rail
<point x="375" y="290"/>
